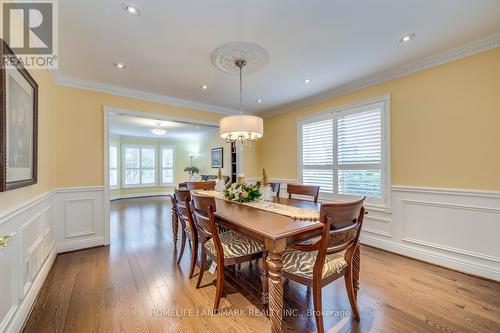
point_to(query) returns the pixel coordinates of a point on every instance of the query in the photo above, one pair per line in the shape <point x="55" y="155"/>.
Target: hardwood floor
<point x="134" y="285"/>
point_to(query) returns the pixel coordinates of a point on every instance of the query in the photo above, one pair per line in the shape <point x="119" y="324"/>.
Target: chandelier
<point x="241" y="128"/>
<point x="158" y="130"/>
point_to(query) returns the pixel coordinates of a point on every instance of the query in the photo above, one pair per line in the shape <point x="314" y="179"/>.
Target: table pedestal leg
<point x="275" y="264"/>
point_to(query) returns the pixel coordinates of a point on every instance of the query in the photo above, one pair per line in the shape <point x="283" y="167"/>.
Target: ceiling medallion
<point x="224" y="57"/>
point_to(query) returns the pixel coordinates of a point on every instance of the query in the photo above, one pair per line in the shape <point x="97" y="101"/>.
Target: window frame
<point x="160" y="165"/>
<point x="140" y="168"/>
<point x="118" y="166"/>
<point x="384" y="103"/>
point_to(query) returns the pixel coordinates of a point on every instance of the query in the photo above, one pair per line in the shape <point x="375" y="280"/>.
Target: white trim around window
<point x="347" y="150"/>
<point x="116" y="168"/>
<point x="165" y="168"/>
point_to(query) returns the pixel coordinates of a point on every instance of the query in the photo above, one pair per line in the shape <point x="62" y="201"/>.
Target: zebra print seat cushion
<point x="234" y="245"/>
<point x="302" y="263"/>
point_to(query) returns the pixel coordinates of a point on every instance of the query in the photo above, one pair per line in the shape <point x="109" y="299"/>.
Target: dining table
<point x="276" y="231"/>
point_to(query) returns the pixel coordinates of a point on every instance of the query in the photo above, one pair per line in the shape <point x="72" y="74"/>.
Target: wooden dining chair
<point x="228" y="248"/>
<point x="275" y="187"/>
<point x="307" y="190"/>
<point x="322" y="262"/>
<point x="188" y="228"/>
<point x="209" y="185"/>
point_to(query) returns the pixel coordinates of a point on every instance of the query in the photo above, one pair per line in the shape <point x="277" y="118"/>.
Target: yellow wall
<point x="444" y="126"/>
<point x="80" y="131"/>
<point x="46" y="140"/>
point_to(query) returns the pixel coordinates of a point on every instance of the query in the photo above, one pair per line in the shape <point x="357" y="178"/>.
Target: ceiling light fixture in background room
<point x="158" y="130"/>
<point x="132" y="10"/>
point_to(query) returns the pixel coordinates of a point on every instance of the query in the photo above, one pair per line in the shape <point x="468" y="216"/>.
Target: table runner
<point x="296" y="213"/>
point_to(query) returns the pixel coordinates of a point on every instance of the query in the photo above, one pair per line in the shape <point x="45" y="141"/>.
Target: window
<point x="346" y="151"/>
<point x="167" y="165"/>
<point x="113" y="166"/>
<point x="139" y="165"/>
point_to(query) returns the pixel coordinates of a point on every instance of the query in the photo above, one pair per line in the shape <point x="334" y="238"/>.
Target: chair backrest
<point x="308" y="190"/>
<point x="203" y="212"/>
<point x="275" y="187"/>
<point x="183" y="209"/>
<point x="342" y="227"/>
<point x="210" y="185"/>
<point x="343" y="222"/>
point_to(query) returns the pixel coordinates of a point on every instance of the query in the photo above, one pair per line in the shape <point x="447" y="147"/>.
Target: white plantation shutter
<point x="317" y="154"/>
<point x="359" y="145"/>
<point x="345" y="151"/>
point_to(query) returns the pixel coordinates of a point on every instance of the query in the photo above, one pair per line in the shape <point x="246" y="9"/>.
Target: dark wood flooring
<point x="134" y="285"/>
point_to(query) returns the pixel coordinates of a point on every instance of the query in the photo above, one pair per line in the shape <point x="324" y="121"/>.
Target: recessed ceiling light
<point x="259" y="100"/>
<point x="407" y="38"/>
<point x="132" y="10"/>
<point x="119" y="65"/>
<point x="307" y="81"/>
<point x="204" y="87"/>
<point x="197" y="127"/>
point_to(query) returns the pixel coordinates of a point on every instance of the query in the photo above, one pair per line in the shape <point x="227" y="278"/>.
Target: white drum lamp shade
<point x="241" y="128"/>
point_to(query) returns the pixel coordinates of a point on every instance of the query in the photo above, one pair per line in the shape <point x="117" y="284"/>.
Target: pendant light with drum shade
<point x="231" y="58"/>
<point x="241" y="128"/>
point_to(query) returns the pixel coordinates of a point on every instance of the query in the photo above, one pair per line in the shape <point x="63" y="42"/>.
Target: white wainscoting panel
<point x="28" y="258"/>
<point x="79" y="218"/>
<point x="455" y="228"/>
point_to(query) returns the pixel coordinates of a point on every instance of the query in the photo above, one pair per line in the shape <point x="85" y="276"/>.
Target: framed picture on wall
<point x="217" y="157"/>
<point x="18" y="124"/>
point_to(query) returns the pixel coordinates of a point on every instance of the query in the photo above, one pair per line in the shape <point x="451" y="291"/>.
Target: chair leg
<point x="194" y="256"/>
<point x="350" y="292"/>
<point x="318" y="307"/>
<point x="202" y="266"/>
<point x="219" y="284"/>
<point x="263" y="278"/>
<point x="183" y="244"/>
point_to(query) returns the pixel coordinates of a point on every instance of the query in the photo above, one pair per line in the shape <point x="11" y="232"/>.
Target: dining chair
<point x="307" y="190"/>
<point x="208" y="185"/>
<point x="275" y="187"/>
<point x="188" y="228"/>
<point x="322" y="262"/>
<point x="228" y="248"/>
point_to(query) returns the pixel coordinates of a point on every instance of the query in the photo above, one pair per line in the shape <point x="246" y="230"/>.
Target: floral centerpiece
<point x="242" y="193"/>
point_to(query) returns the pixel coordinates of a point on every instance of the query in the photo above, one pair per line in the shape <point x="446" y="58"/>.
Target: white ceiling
<point x="167" y="48"/>
<point x="127" y="125"/>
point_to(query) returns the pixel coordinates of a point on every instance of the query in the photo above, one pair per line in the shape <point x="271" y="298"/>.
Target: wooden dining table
<point x="276" y="231"/>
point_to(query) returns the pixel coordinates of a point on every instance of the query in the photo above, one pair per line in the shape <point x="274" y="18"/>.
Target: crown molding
<point x="466" y="50"/>
<point x="69" y="81"/>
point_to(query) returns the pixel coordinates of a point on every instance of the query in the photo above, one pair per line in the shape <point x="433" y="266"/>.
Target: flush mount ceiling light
<point x="204" y="87"/>
<point x="119" y="65"/>
<point x="306" y="81"/>
<point x="236" y="58"/>
<point x="158" y="130"/>
<point x="259" y="100"/>
<point x="407" y="38"/>
<point x="131" y="10"/>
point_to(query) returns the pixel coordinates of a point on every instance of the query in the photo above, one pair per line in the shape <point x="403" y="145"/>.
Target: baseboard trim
<point x="432" y="257"/>
<point x="139" y="195"/>
<point x="80" y="244"/>
<point x="24" y="310"/>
